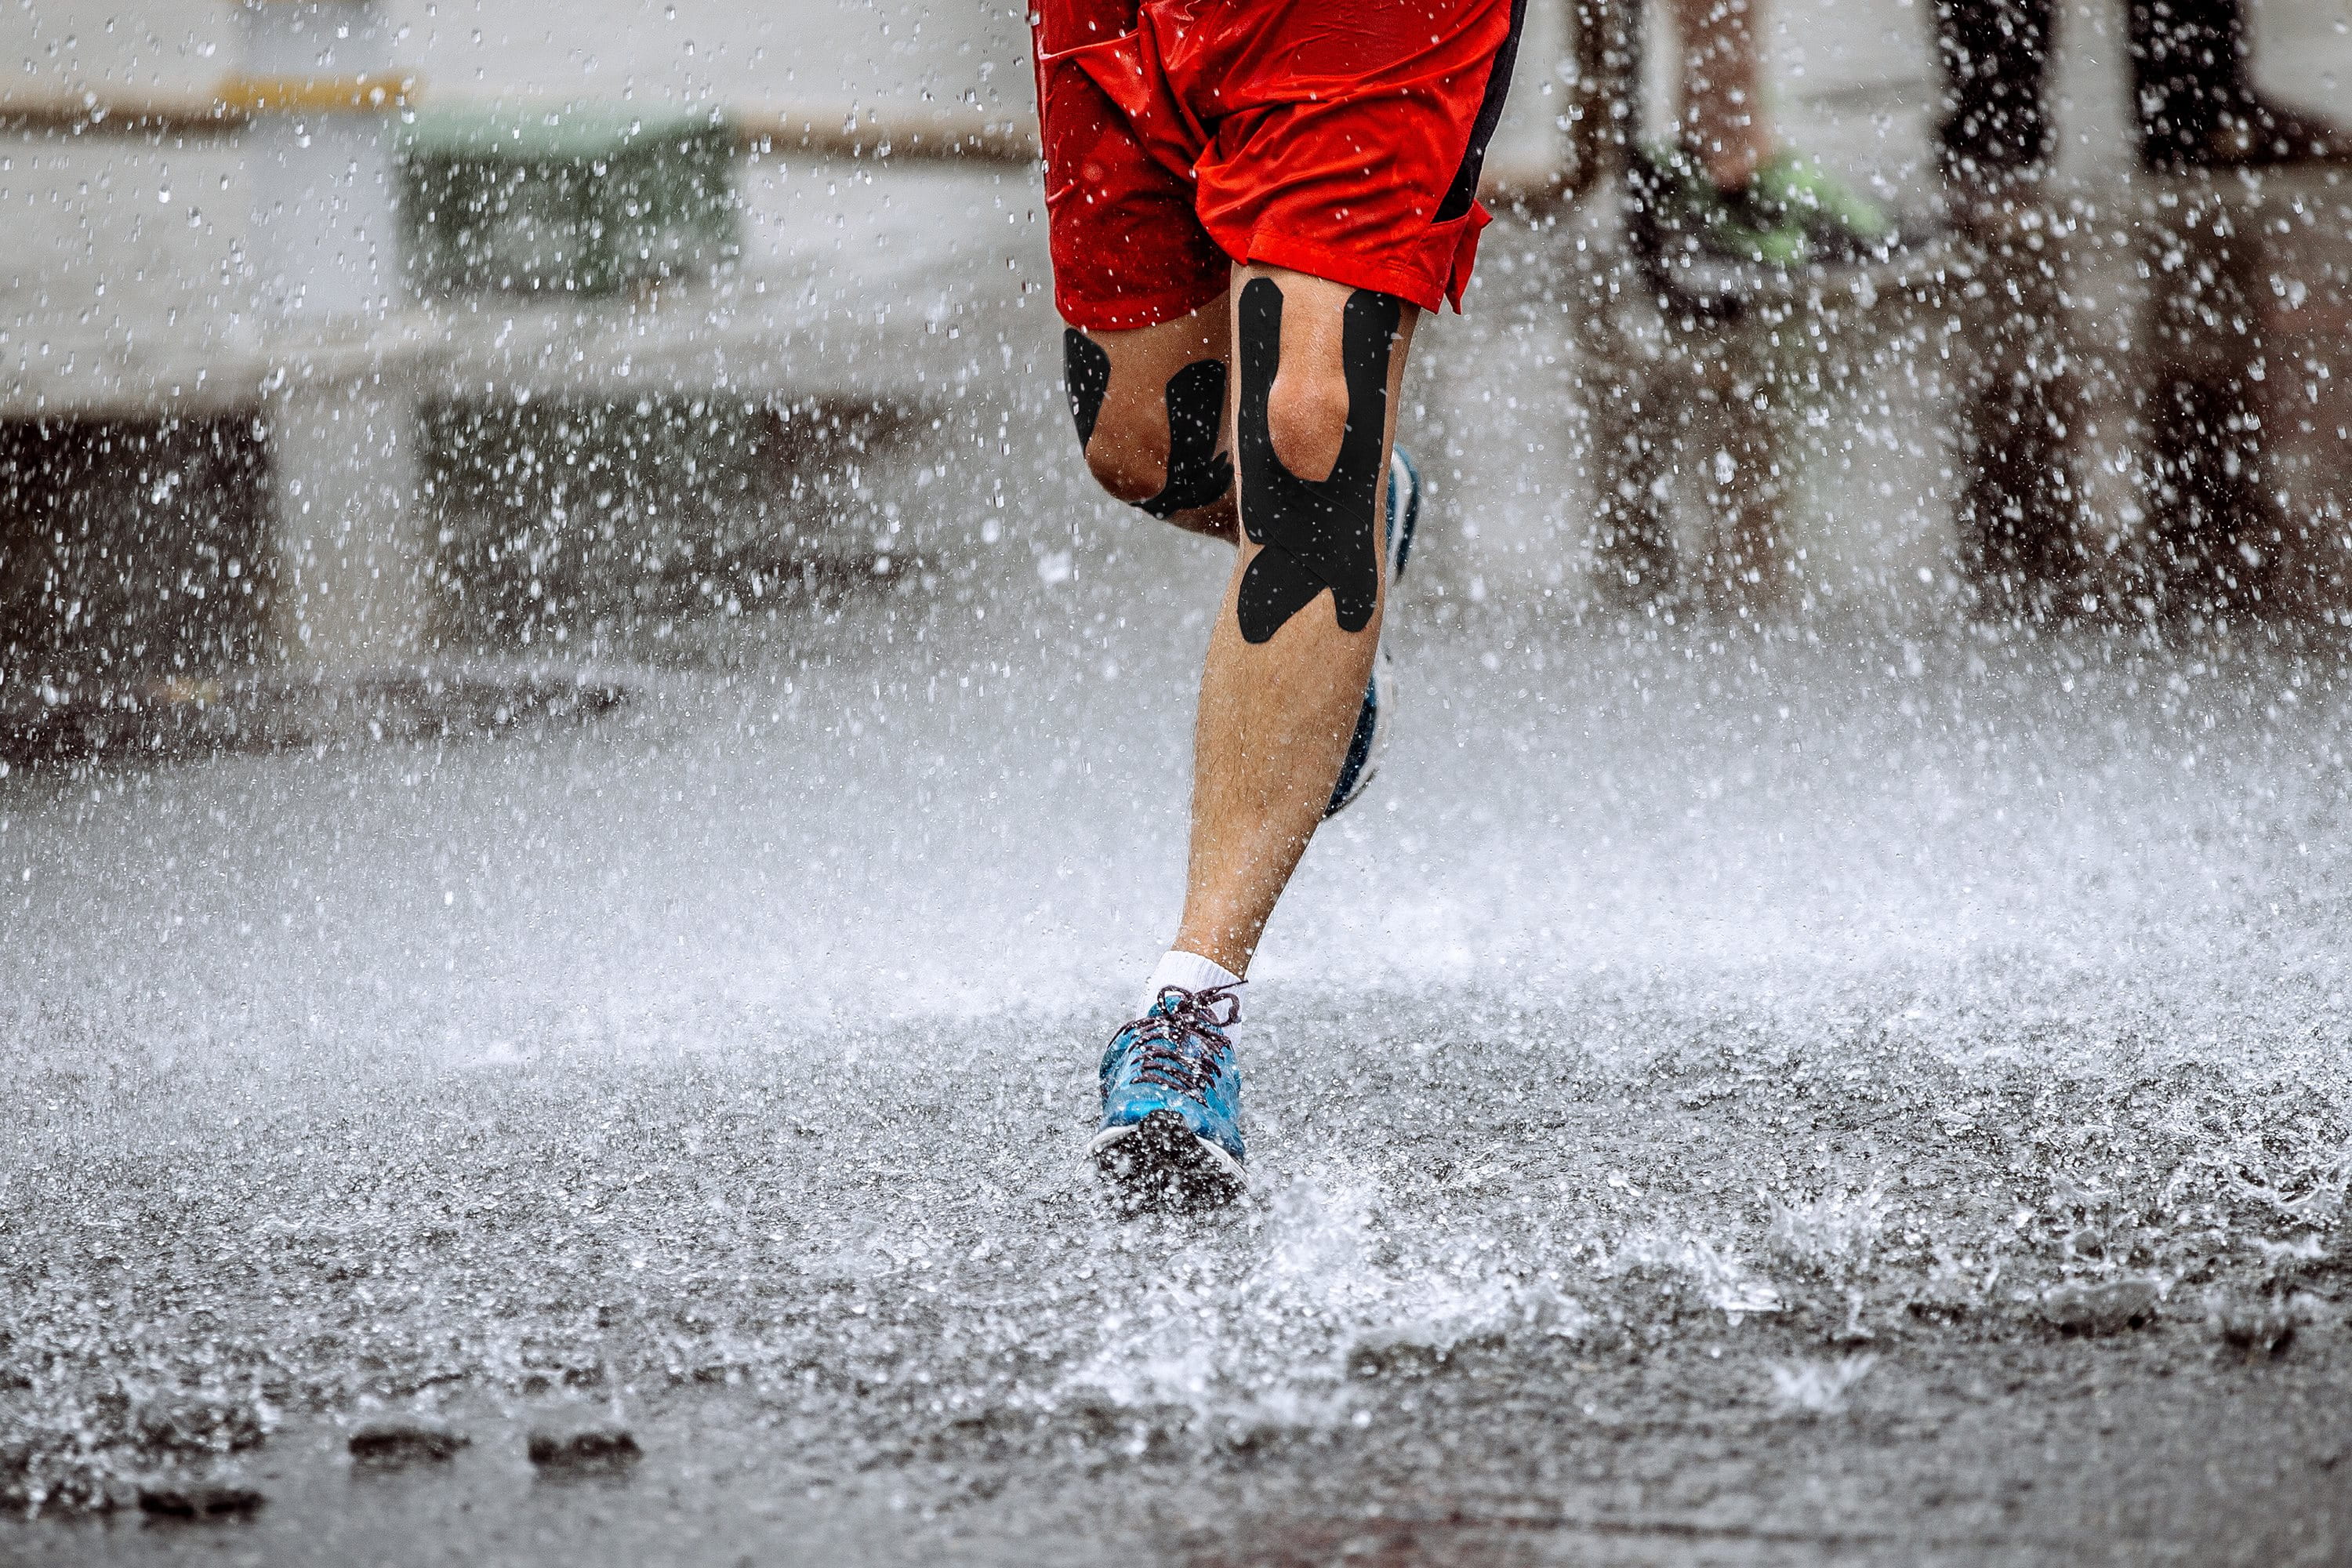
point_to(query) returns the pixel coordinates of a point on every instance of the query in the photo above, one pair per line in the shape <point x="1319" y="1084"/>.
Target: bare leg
<point x="1275" y="713"/>
<point x="1722" y="119"/>
<point x="1277" y="710"/>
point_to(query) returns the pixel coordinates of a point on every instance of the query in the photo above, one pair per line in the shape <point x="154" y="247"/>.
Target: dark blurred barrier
<point x="169" y="717"/>
<point x="136" y="556"/>
<point x="130" y="546"/>
<point x="568" y="522"/>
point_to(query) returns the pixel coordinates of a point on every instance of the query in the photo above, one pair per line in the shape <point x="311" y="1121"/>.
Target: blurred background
<point x="557" y="645"/>
<point x="385" y="371"/>
<point x="560" y="327"/>
<point x="379" y="371"/>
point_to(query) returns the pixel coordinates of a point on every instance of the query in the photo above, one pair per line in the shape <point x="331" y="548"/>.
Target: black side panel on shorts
<point x="1087" y="367"/>
<point x="1197" y="472"/>
<point x="1315" y="535"/>
<point x="1465" y="189"/>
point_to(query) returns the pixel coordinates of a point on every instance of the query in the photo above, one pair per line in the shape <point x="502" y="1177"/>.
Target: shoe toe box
<point x="1127" y="1106"/>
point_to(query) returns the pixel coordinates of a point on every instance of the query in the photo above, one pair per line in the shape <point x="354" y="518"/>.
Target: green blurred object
<point x="1837" y="223"/>
<point x="588" y="199"/>
<point x="1793" y="213"/>
<point x="1682" y="212"/>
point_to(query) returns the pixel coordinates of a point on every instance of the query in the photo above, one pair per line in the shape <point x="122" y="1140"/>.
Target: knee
<point x="1127" y="463"/>
<point x="1307" y="421"/>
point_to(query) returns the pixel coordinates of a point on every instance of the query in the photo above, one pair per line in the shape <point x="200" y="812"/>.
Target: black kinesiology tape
<point x="1313" y="534"/>
<point x="1197" y="472"/>
<point x="1087" y="367"/>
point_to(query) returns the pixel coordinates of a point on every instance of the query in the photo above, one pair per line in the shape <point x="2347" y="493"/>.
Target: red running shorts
<point x="1341" y="138"/>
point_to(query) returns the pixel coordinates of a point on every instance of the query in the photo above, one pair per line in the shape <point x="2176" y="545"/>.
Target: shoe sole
<point x="1161" y="1163"/>
<point x="1362" y="762"/>
<point x="1401" y="546"/>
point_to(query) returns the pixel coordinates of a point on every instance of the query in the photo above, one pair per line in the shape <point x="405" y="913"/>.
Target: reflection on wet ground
<point x="2124" y="409"/>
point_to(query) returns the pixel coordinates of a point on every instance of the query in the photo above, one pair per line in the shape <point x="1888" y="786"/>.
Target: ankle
<point x="1228" y="954"/>
<point x="1189" y="971"/>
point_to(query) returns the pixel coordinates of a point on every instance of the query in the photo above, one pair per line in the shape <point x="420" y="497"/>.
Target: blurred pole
<point x="322" y="96"/>
<point x="2019" y="516"/>
<point x="1687" y="404"/>
<point x="2216" y="532"/>
<point x="1605" y="116"/>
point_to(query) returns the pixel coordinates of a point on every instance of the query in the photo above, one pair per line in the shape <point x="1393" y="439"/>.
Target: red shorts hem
<point x="1336" y="264"/>
<point x="1128" y="312"/>
<point x="1272" y="247"/>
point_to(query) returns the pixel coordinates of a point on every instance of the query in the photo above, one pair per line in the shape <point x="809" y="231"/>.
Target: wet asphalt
<point x="1840" y="1078"/>
<point x="1725" y="1096"/>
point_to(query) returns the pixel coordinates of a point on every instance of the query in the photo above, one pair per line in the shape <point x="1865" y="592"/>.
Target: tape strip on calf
<point x="1086" y="366"/>
<point x="1197" y="472"/>
<point x="1315" y="535"/>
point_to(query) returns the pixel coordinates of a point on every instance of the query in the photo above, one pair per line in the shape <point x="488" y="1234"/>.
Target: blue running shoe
<point x="1171" y="1103"/>
<point x="1364" y="746"/>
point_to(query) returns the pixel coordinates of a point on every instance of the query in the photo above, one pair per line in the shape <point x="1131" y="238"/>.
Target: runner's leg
<point x="1286" y="182"/>
<point x="1281" y="691"/>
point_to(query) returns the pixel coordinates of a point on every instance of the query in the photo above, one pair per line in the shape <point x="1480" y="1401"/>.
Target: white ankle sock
<point x="1188" y="970"/>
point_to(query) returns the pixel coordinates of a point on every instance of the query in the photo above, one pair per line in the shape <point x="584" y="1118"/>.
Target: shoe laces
<point x="1182" y="1044"/>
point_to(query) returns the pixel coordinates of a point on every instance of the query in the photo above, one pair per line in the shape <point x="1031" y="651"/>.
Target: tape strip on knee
<point x="1197" y="474"/>
<point x="1085" y="368"/>
<point x="1315" y="535"/>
